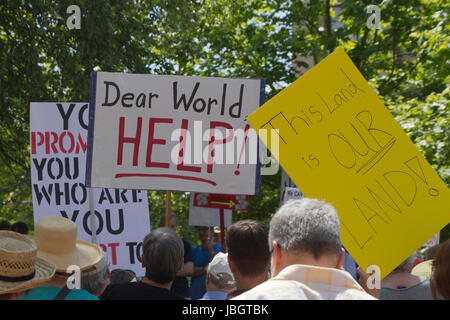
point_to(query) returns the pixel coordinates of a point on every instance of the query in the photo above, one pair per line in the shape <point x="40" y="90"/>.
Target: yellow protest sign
<point x="339" y="143"/>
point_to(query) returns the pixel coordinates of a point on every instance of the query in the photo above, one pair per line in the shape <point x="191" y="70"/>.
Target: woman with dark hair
<point x="20" y="227"/>
<point x="440" y="282"/>
<point x="5" y="225"/>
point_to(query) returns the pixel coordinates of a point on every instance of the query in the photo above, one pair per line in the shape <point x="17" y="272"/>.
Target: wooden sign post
<point x="222" y="231"/>
<point x="168" y="205"/>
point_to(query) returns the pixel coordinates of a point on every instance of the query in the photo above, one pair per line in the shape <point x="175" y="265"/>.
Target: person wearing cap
<point x="96" y="279"/>
<point x="20" y="269"/>
<point x="219" y="278"/>
<point x="425" y="268"/>
<point x="56" y="239"/>
<point x="216" y="234"/>
<point x="162" y="258"/>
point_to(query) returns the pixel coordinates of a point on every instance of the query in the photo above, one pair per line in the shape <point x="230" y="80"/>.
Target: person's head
<point x="5" y="225"/>
<point x="431" y="252"/>
<point x="56" y="238"/>
<point x="173" y="222"/>
<point x="218" y="274"/>
<point x="440" y="283"/>
<point x="121" y="276"/>
<point x="216" y="234"/>
<point x="20" y="269"/>
<point x="96" y="278"/>
<point x="20" y="227"/>
<point x="204" y="233"/>
<point x="162" y="255"/>
<point x="305" y="231"/>
<point x="248" y="249"/>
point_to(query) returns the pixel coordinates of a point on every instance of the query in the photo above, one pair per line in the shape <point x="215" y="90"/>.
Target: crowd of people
<point x="299" y="256"/>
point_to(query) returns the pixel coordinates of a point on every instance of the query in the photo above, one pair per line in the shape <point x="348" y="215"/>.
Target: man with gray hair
<point x="96" y="278"/>
<point x="162" y="258"/>
<point x="307" y="256"/>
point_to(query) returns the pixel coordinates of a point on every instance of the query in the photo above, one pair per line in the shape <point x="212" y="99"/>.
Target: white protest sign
<point x="292" y="193"/>
<point x="286" y="182"/>
<point x="161" y="132"/>
<point x="210" y="217"/>
<point x="58" y="134"/>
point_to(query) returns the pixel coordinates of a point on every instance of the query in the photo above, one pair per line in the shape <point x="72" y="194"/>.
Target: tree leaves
<point x="42" y="60"/>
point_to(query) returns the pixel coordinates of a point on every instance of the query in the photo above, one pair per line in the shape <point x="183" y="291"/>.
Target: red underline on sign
<point x="171" y="176"/>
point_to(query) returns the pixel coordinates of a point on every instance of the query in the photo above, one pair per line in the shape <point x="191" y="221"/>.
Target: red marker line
<point x="247" y="126"/>
<point x="171" y="176"/>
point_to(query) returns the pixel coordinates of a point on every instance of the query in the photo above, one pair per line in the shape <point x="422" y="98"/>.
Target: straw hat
<point x="423" y="269"/>
<point x="20" y="269"/>
<point x="56" y="238"/>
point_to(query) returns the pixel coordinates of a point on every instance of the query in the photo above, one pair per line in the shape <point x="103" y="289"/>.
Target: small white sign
<point x="160" y="132"/>
<point x="292" y="193"/>
<point x="210" y="217"/>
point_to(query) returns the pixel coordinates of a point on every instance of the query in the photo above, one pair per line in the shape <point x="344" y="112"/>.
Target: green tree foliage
<point x="42" y="60"/>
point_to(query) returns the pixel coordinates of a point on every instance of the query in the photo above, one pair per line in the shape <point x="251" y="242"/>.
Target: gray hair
<point x="306" y="225"/>
<point x="163" y="252"/>
<point x="121" y="276"/>
<point x="95" y="279"/>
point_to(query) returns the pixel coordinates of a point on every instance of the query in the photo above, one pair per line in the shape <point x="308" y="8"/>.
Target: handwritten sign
<point x="291" y="194"/>
<point x="58" y="134"/>
<point x="210" y="217"/>
<point x="286" y="182"/>
<point x="338" y="142"/>
<point x="221" y="201"/>
<point x="173" y="133"/>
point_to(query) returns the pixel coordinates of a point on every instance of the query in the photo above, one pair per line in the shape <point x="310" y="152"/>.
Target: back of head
<point x="95" y="278"/>
<point x="163" y="252"/>
<point x="5" y="225"/>
<point x="220" y="274"/>
<point x="431" y="252"/>
<point x="440" y="283"/>
<point x="306" y="226"/>
<point x="172" y="221"/>
<point x="248" y="247"/>
<point x="121" y="276"/>
<point x="20" y="227"/>
<point x="20" y="267"/>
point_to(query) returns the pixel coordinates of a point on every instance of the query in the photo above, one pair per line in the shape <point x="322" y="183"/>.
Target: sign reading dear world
<point x="173" y="133"/>
<point x="339" y="143"/>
